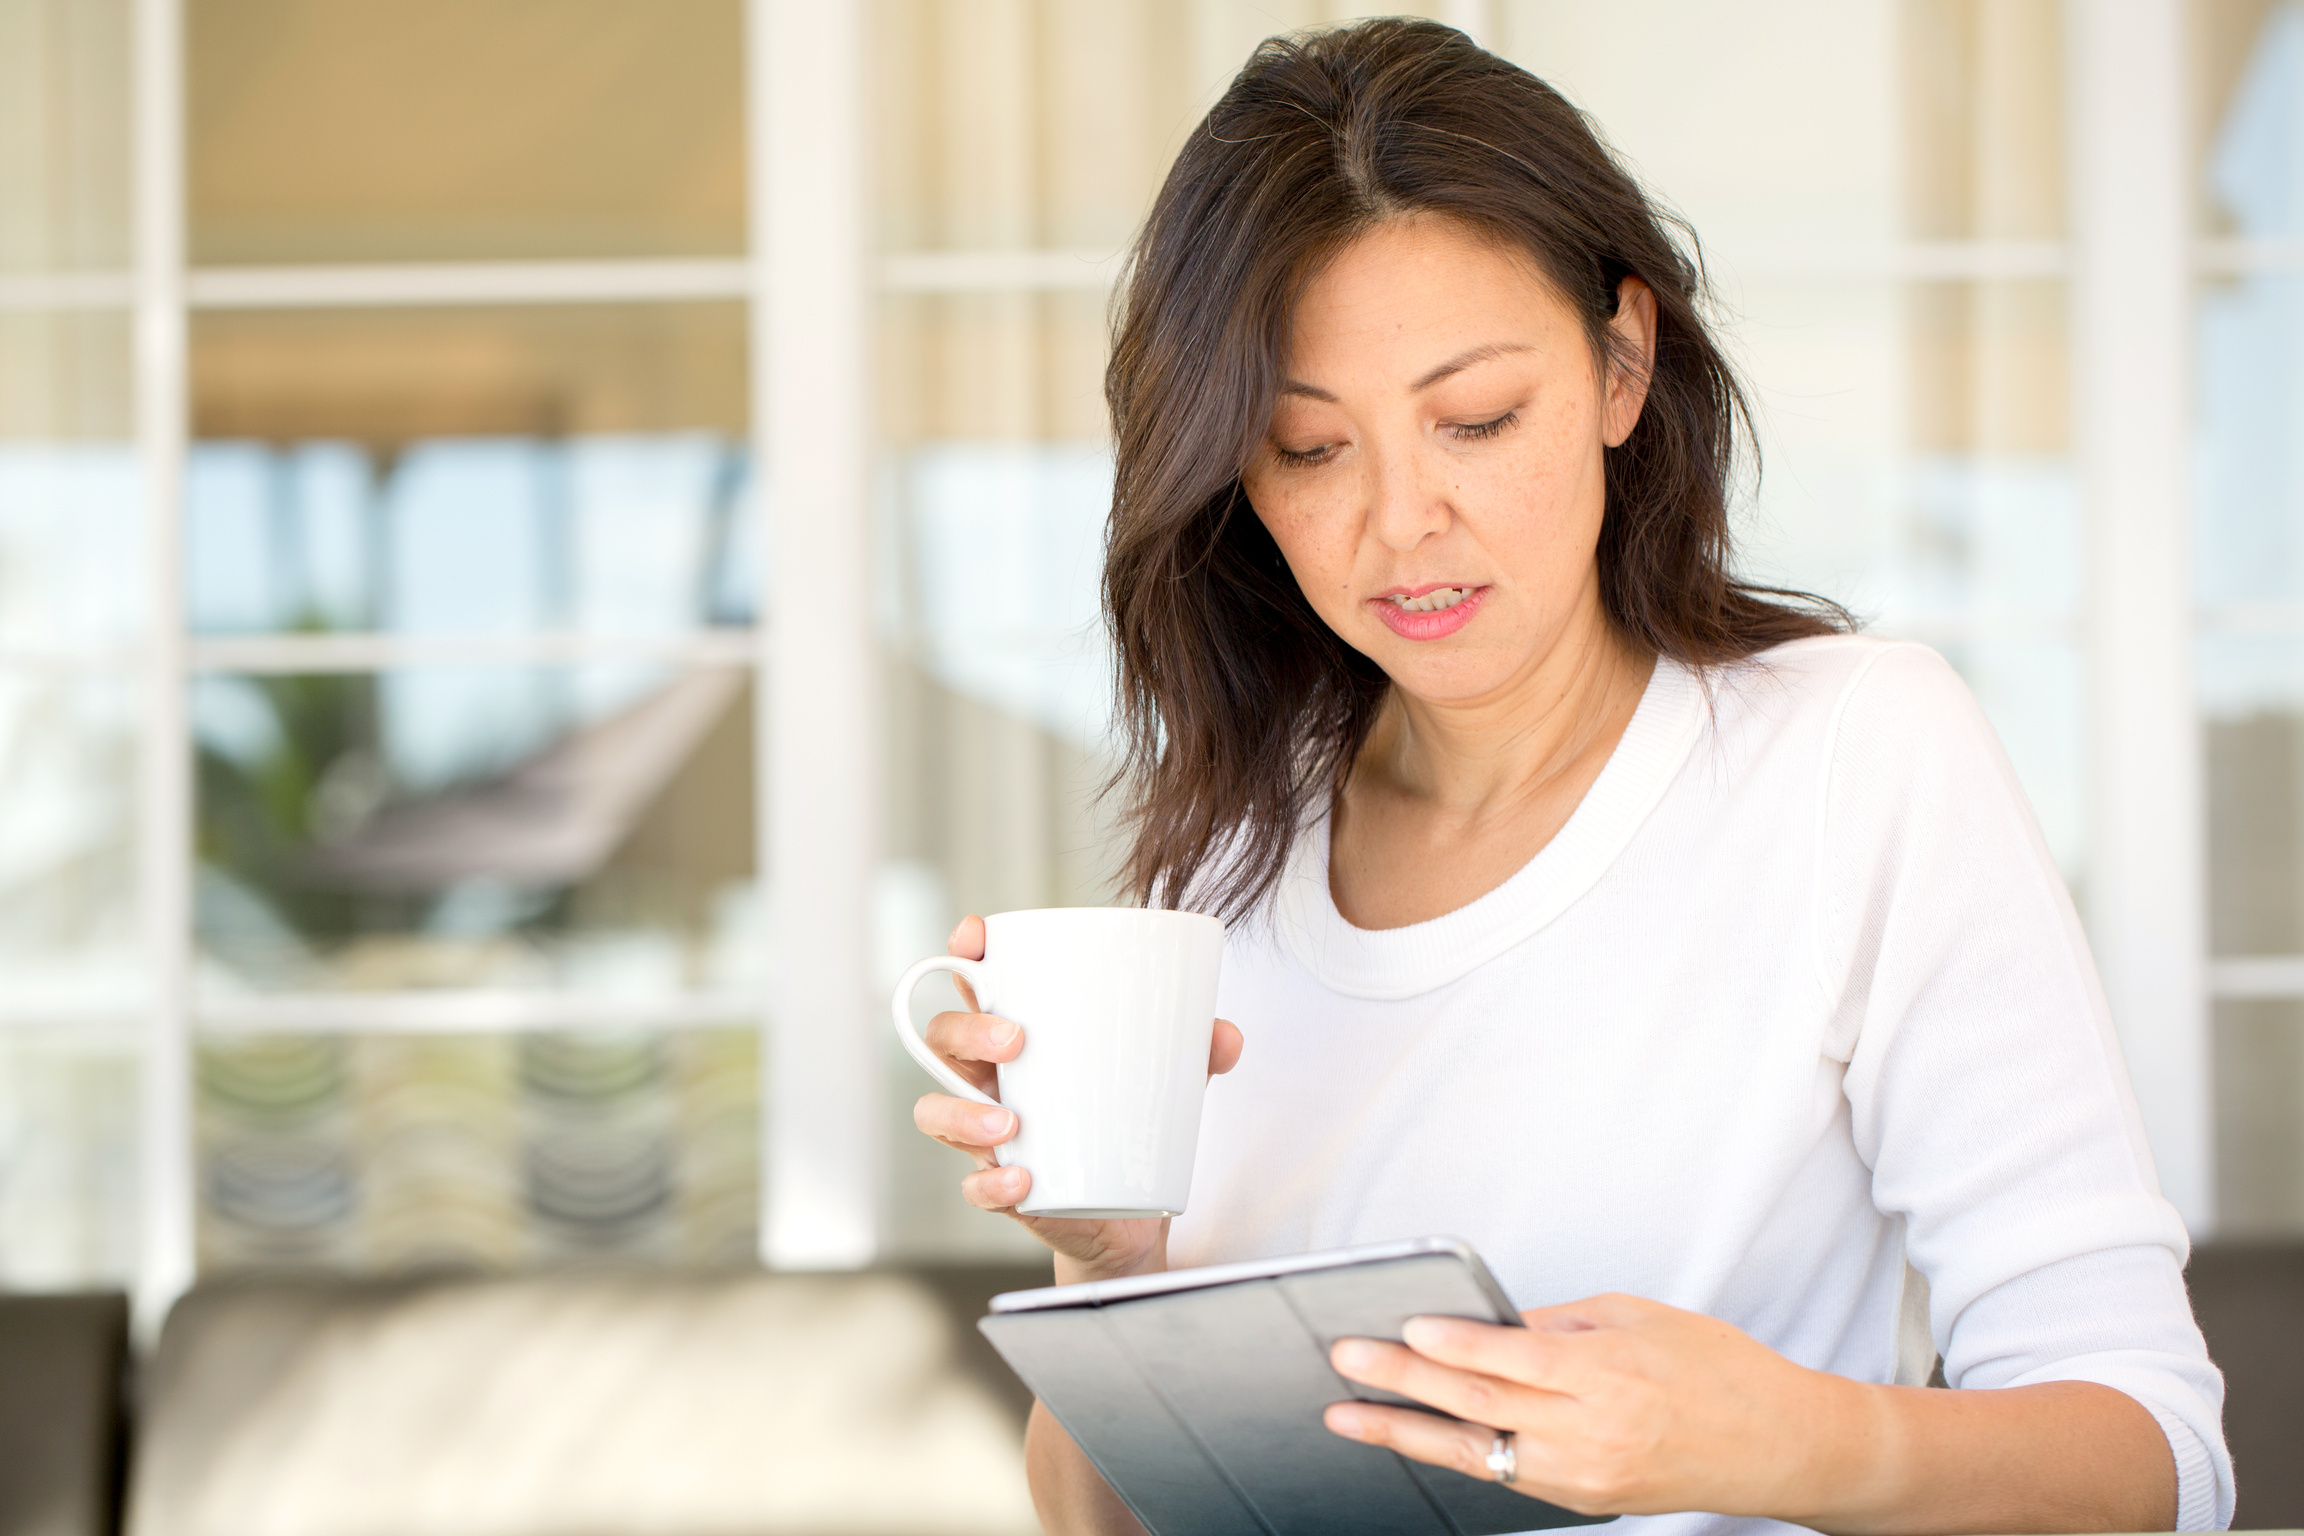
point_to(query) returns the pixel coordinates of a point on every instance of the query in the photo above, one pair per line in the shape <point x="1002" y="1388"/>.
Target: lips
<point x="1428" y="613"/>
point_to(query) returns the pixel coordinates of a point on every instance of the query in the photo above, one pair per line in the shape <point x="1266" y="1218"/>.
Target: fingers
<point x="974" y="1043"/>
<point x="961" y="1038"/>
<point x="1543" y="1360"/>
<point x="969" y="1127"/>
<point x="1421" y="1436"/>
<point x="965" y="1124"/>
<point x="1484" y="1399"/>
<point x="1224" y="1047"/>
<point x="996" y="1189"/>
<point x="967" y="942"/>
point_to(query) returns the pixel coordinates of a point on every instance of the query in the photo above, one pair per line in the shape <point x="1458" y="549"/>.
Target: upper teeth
<point x="1434" y="601"/>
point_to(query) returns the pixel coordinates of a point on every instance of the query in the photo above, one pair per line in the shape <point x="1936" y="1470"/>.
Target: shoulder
<point x="1857" y="726"/>
<point x="1903" y="760"/>
<point x="1826" y="668"/>
<point x="1835" y="685"/>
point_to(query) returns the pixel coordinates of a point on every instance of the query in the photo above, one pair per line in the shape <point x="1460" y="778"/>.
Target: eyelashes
<point x="1465" y="432"/>
<point x="1475" y="431"/>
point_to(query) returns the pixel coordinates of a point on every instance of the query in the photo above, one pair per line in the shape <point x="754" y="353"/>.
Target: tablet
<point x="1198" y="1393"/>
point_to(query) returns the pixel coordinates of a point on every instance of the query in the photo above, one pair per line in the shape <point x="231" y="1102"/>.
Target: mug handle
<point x="971" y="971"/>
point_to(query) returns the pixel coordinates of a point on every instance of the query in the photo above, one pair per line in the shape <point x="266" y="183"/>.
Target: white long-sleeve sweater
<point x="1793" y="1007"/>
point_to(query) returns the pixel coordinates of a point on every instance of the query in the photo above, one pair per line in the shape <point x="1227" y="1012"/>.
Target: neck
<point x="1471" y="760"/>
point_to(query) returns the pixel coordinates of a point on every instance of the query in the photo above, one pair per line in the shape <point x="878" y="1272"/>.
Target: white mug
<point x="1117" y="1006"/>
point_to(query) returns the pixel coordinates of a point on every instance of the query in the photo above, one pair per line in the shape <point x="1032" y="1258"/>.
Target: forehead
<point x="1423" y="281"/>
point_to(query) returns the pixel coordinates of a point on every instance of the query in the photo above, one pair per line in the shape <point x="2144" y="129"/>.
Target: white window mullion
<point x="648" y="280"/>
<point x="2132" y="409"/>
<point x="383" y="650"/>
<point x="486" y="1010"/>
<point x="811" y="338"/>
<point x="164" y="1264"/>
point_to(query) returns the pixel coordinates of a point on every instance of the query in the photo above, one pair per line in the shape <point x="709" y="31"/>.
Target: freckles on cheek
<point x="1315" y="547"/>
<point x="1564" y="445"/>
<point x="1562" y="486"/>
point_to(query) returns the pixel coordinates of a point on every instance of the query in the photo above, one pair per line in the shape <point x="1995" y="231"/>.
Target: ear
<point x="1631" y="361"/>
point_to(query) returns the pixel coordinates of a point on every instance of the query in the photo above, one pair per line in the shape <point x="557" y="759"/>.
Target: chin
<point x="1447" y="680"/>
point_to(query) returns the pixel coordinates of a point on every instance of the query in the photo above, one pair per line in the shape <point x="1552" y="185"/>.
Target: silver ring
<point x="1503" y="1459"/>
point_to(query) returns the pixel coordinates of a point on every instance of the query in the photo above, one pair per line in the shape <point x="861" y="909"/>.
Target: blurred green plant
<point x="261" y="815"/>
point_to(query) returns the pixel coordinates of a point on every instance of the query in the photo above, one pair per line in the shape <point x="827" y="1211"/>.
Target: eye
<point x="1474" y="431"/>
<point x="1319" y="453"/>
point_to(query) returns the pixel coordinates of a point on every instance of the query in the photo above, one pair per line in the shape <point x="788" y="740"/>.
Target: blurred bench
<point x="589" y="1404"/>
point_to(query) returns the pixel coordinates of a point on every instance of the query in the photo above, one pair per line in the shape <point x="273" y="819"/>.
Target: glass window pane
<point x="64" y="129"/>
<point x="2250" y="383"/>
<point x="389" y="377"/>
<point x="69" y="945"/>
<point x="68" y="1139"/>
<point x="2248" y="113"/>
<point x="71" y="508"/>
<point x="2248" y="64"/>
<point x="398" y="1153"/>
<point x="586" y="828"/>
<point x="1012" y="367"/>
<point x="1914" y="444"/>
<point x="1945" y="115"/>
<point x="471" y="471"/>
<point x="2259" y="1073"/>
<point x="610" y="534"/>
<point x="2252" y="695"/>
<point x="999" y="480"/>
<point x="434" y="129"/>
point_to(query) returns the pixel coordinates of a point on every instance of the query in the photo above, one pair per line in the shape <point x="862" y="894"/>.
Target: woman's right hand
<point x="973" y="1044"/>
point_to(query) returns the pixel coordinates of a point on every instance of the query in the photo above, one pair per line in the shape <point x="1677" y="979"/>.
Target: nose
<point x="1408" y="500"/>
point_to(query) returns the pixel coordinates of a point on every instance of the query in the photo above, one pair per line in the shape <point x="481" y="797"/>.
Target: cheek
<point x="1535" y="515"/>
<point x="1552" y="496"/>
<point x="1317" y="543"/>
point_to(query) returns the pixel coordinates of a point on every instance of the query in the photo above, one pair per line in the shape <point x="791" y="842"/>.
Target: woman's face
<point x="1433" y="473"/>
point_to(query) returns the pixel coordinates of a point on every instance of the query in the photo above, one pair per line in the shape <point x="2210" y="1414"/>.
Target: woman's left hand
<point x="1617" y="1406"/>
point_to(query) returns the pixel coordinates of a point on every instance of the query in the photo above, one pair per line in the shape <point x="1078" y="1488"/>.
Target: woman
<point x="1697" y="961"/>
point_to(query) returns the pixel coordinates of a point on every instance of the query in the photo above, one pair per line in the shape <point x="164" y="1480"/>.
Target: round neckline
<point x="1387" y="964"/>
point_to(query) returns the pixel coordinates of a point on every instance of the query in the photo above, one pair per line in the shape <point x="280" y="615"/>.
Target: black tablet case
<point x="1202" y="1407"/>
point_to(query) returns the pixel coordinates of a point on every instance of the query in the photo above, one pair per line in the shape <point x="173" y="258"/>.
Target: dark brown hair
<point x="1240" y="710"/>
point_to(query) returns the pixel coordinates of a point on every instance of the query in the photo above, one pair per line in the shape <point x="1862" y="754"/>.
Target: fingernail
<point x="956" y="927"/>
<point x="992" y="1122"/>
<point x="1421" y="1332"/>
<point x="1351" y="1355"/>
<point x="1014" y="1029"/>
<point x="1345" y="1422"/>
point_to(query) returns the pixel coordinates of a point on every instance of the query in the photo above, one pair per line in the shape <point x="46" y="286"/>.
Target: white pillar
<point x="811" y="410"/>
<point x="164" y="1259"/>
<point x="2132" y="410"/>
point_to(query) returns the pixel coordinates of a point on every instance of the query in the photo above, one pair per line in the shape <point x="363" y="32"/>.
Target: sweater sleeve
<point x="1985" y="1083"/>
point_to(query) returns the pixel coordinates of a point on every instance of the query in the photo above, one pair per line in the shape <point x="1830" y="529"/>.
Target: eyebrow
<point x="1464" y="360"/>
<point x="1448" y="369"/>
